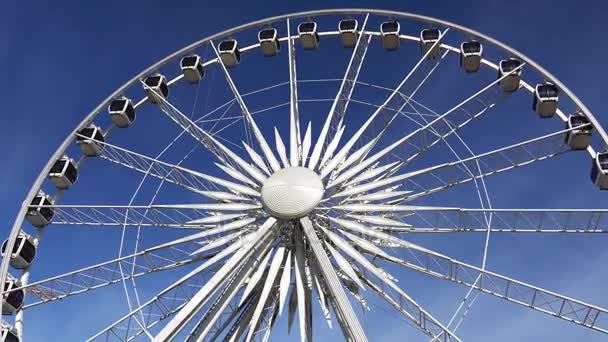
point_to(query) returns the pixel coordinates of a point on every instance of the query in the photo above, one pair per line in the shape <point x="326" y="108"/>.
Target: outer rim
<point x="353" y="11"/>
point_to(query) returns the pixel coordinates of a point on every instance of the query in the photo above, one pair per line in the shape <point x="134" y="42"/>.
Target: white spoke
<point x="274" y="164"/>
<point x="257" y="159"/>
<point x="281" y="148"/>
<point x="395" y="100"/>
<point x="446" y="175"/>
<point x="294" y="116"/>
<point x="340" y="104"/>
<point x="351" y="327"/>
<point x="285" y="281"/>
<point x="306" y="144"/>
<point x="244" y="255"/>
<point x="236" y="174"/>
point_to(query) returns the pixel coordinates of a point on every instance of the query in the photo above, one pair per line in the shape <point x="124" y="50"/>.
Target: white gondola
<point x="578" y="138"/>
<point x="470" y="55"/>
<point x="122" y="112"/>
<point x="390" y="35"/>
<point x="428" y="38"/>
<point x="269" y="42"/>
<point x="348" y="32"/>
<point x="509" y="83"/>
<point x="599" y="170"/>
<point x="13" y="301"/>
<point x="156" y="85"/>
<point x="545" y="99"/>
<point x="9" y="334"/>
<point x="38" y="213"/>
<point x="24" y="251"/>
<point x="230" y="53"/>
<point x="309" y="37"/>
<point x="64" y="173"/>
<point x="90" y="139"/>
<point x="192" y="68"/>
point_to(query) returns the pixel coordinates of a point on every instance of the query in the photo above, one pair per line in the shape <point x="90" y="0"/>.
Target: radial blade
<point x="415" y="312"/>
<point x="358" y="154"/>
<point x="331" y="148"/>
<point x="255" y="277"/>
<point x="340" y="104"/>
<point x="394" y="100"/>
<point x="266" y="291"/>
<point x="377" y="196"/>
<point x="352" y="328"/>
<point x="274" y="164"/>
<point x="236" y="174"/>
<point x="281" y="148"/>
<point x="285" y="282"/>
<point x="210" y="206"/>
<point x="446" y="175"/>
<point x="345" y="266"/>
<point x="254" y="244"/>
<point x="294" y="116"/>
<point x="215" y="243"/>
<point x="306" y="144"/>
<point x="321" y="292"/>
<point x="379" y="220"/>
<point x="250" y="169"/>
<point x="190" y="179"/>
<point x="438" y="129"/>
<point x="215" y="218"/>
<point x="163" y="305"/>
<point x="371" y="173"/>
<point x="301" y="293"/>
<point x="257" y="159"/>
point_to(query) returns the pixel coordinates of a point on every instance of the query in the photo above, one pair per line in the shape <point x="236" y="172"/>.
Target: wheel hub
<point x="292" y="192"/>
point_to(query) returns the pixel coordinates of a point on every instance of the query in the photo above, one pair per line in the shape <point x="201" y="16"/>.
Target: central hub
<point x="292" y="192"/>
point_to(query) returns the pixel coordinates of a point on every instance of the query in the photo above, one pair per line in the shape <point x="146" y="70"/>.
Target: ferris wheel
<point x="291" y="170"/>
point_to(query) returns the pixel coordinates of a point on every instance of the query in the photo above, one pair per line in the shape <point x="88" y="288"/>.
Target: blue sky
<point x="59" y="60"/>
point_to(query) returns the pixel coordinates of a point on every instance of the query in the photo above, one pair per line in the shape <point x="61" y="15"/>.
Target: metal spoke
<point x="294" y="115"/>
<point x="192" y="180"/>
<point x="440" y="177"/>
<point x="340" y="104"/>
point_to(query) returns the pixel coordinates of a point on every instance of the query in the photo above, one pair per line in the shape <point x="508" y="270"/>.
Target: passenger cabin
<point x="599" y="170"/>
<point x="39" y="213"/>
<point x="578" y="138"/>
<point x="24" y="251"/>
<point x="428" y="38"/>
<point x="512" y="69"/>
<point x="269" y="42"/>
<point x="230" y="53"/>
<point x="308" y="34"/>
<point x="470" y="55"/>
<point x="122" y="112"/>
<point x="156" y="87"/>
<point x="13" y="301"/>
<point x="390" y="35"/>
<point x="90" y="139"/>
<point x="545" y="99"/>
<point x="192" y="68"/>
<point x="63" y="173"/>
<point x="9" y="334"/>
<point x="348" y="32"/>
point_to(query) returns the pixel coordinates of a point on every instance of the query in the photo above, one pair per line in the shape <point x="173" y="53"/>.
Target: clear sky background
<point x="59" y="59"/>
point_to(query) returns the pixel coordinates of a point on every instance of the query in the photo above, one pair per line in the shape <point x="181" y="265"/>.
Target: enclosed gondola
<point x="13" y="300"/>
<point x="156" y="86"/>
<point x="9" y="334"/>
<point x="348" y="32"/>
<point x="308" y="34"/>
<point x="470" y="55"/>
<point x="269" y="42"/>
<point x="390" y="35"/>
<point x="192" y="68"/>
<point x="90" y="139"/>
<point x="599" y="170"/>
<point x="545" y="99"/>
<point x="579" y="137"/>
<point x="509" y="71"/>
<point x="428" y="38"/>
<point x="122" y="112"/>
<point x="64" y="173"/>
<point x="229" y="51"/>
<point x="24" y="251"/>
<point x="39" y="213"/>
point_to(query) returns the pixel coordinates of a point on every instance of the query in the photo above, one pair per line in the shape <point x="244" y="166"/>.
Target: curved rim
<point x="345" y="11"/>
